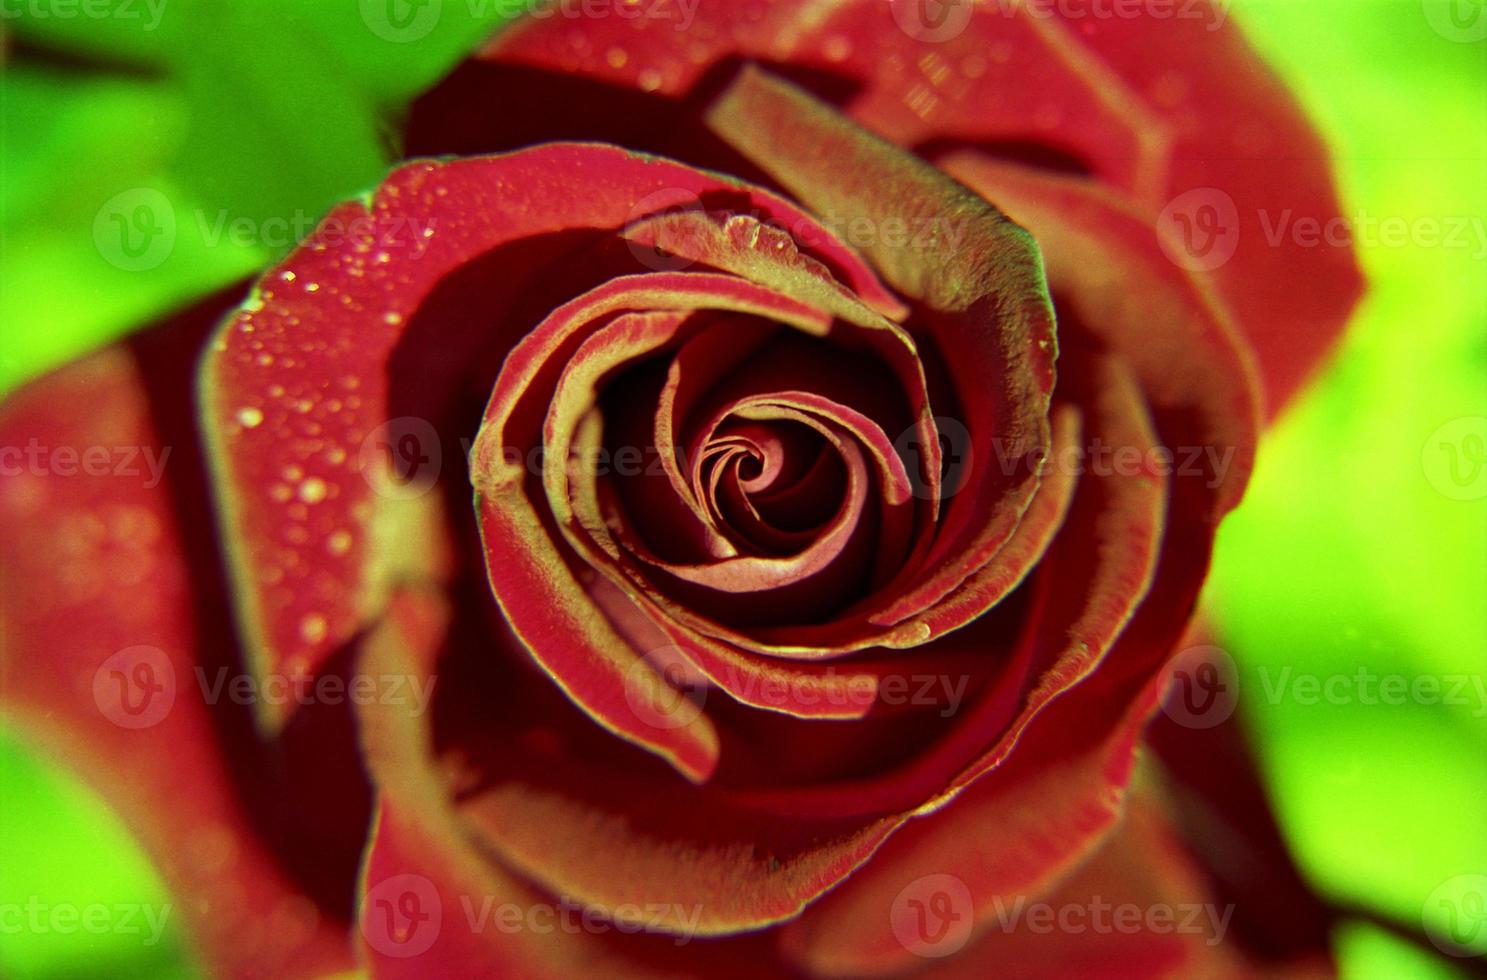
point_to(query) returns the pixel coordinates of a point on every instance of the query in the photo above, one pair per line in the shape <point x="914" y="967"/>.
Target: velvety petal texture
<point x="1204" y="127"/>
<point x="114" y="641"/>
<point x="786" y="455"/>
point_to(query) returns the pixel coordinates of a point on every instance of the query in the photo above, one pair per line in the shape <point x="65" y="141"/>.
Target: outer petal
<point x="421" y="874"/>
<point x="429" y="844"/>
<point x="1138" y="908"/>
<point x="1015" y="832"/>
<point x="1219" y="803"/>
<point x="1238" y="138"/>
<point x="1114" y="284"/>
<point x="108" y="615"/>
<point x="1155" y="107"/>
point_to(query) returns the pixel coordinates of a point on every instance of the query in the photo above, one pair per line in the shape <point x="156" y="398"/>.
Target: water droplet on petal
<point x="313" y="490"/>
<point x="313" y="628"/>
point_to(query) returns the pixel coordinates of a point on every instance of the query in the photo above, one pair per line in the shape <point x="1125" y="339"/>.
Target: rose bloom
<point x="726" y="506"/>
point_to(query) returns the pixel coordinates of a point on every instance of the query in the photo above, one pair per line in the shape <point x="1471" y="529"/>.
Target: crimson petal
<point x="104" y="617"/>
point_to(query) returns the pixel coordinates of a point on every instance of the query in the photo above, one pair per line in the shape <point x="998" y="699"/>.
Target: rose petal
<point x="1003" y="837"/>
<point x="299" y="404"/>
<point x="1068" y="93"/>
<point x="1236" y="129"/>
<point x="539" y="594"/>
<point x="1113" y="282"/>
<point x="420" y="871"/>
<point x="552" y="833"/>
<point x="984" y="303"/>
<point x="803" y="690"/>
<point x="600" y="840"/>
<point x="489" y="922"/>
<point x="108" y="615"/>
<point x="1087" y="587"/>
<point x="1092" y="728"/>
<point x="1178" y="930"/>
<point x="737" y="878"/>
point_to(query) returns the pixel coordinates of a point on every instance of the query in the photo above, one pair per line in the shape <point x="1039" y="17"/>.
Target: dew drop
<point x="313" y="628"/>
<point x="313" y="490"/>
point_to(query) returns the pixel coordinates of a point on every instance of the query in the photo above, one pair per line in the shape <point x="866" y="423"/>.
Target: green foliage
<point x="250" y="118"/>
<point x="1347" y="555"/>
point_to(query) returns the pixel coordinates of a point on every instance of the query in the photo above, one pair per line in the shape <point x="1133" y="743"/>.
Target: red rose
<point x="794" y="566"/>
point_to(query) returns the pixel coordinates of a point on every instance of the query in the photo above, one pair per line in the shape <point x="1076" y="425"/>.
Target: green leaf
<point x="78" y="895"/>
<point x="1354" y="550"/>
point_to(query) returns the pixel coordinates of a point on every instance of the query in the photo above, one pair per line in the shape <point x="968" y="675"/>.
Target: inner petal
<point x="751" y="466"/>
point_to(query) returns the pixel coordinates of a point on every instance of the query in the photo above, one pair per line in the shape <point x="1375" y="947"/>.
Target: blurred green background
<point x="1357" y="548"/>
